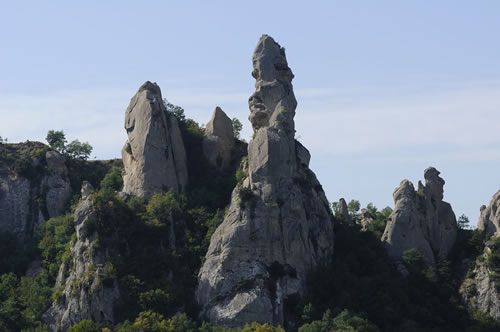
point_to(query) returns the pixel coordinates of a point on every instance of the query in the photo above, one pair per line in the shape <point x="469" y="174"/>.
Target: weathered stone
<point x="479" y="291"/>
<point x="35" y="193"/>
<point x="420" y="220"/>
<point x="366" y="219"/>
<point x="344" y="212"/>
<point x="279" y="225"/>
<point x="489" y="220"/>
<point x="86" y="190"/>
<point x="218" y="141"/>
<point x="154" y="157"/>
<point x="89" y="291"/>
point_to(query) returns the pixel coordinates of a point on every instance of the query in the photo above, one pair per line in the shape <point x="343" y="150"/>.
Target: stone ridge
<point x="279" y="225"/>
<point x="154" y="157"/>
<point x="421" y="220"/>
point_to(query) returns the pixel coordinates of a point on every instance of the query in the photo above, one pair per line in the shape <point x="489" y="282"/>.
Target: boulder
<point x="279" y="225"/>
<point x="218" y="141"/>
<point x="154" y="157"/>
<point x="420" y="220"/>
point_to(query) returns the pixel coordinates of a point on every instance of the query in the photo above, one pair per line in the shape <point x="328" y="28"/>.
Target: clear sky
<point x="384" y="88"/>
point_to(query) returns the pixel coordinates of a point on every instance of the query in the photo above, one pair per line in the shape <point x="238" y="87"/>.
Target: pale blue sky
<point x="384" y="88"/>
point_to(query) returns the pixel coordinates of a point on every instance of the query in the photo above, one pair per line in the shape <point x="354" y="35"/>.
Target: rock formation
<point x="219" y="139"/>
<point x="34" y="186"/>
<point x="279" y="225"/>
<point x="154" y="157"/>
<point x="479" y="290"/>
<point x="489" y="220"/>
<point x="344" y="212"/>
<point x="366" y="219"/>
<point x="89" y="290"/>
<point x="420" y="220"/>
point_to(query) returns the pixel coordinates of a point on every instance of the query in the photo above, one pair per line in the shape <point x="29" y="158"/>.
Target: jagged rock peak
<point x="420" y="220"/>
<point x="154" y="157"/>
<point x="218" y="141"/>
<point x="278" y="225"/>
<point x="273" y="99"/>
<point x="489" y="220"/>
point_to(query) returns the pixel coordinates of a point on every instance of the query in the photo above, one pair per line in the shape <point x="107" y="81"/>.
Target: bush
<point x="84" y="326"/>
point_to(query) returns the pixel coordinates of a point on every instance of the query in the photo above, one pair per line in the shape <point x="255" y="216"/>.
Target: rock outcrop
<point x="154" y="157"/>
<point x="480" y="289"/>
<point x="421" y="220"/>
<point x="34" y="187"/>
<point x="489" y="220"/>
<point x="279" y="225"/>
<point x="219" y="139"/>
<point x="366" y="219"/>
<point x="88" y="287"/>
<point x="344" y="212"/>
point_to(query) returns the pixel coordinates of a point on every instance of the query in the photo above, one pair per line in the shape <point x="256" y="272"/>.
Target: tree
<point x="463" y="222"/>
<point x="56" y="140"/>
<point x="3" y="140"/>
<point x="237" y="126"/>
<point x="175" y="110"/>
<point x="74" y="150"/>
<point x="78" y="150"/>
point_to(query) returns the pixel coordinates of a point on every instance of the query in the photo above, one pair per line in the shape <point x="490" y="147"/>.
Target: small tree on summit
<point x="56" y="140"/>
<point x="74" y="150"/>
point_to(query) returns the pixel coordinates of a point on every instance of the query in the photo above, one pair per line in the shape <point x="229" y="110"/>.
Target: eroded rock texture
<point x="89" y="289"/>
<point x="219" y="139"/>
<point x="279" y="225"/>
<point x="489" y="220"/>
<point x="34" y="187"/>
<point x="154" y="157"/>
<point x="480" y="289"/>
<point x="421" y="220"/>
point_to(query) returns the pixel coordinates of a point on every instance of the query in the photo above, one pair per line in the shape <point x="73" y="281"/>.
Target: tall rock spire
<point x="279" y="225"/>
<point x="154" y="157"/>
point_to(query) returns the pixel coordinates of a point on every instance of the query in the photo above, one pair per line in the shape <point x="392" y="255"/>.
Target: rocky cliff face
<point x="421" y="220"/>
<point x="218" y="141"/>
<point x="279" y="225"/>
<point x="480" y="289"/>
<point x="88" y="289"/>
<point x="489" y="220"/>
<point x="154" y="157"/>
<point x="34" y="186"/>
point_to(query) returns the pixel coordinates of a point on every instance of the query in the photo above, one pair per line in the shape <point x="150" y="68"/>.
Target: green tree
<point x="78" y="150"/>
<point x="463" y="222"/>
<point x="237" y="126"/>
<point x="175" y="110"/>
<point x="74" y="150"/>
<point x="56" y="140"/>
